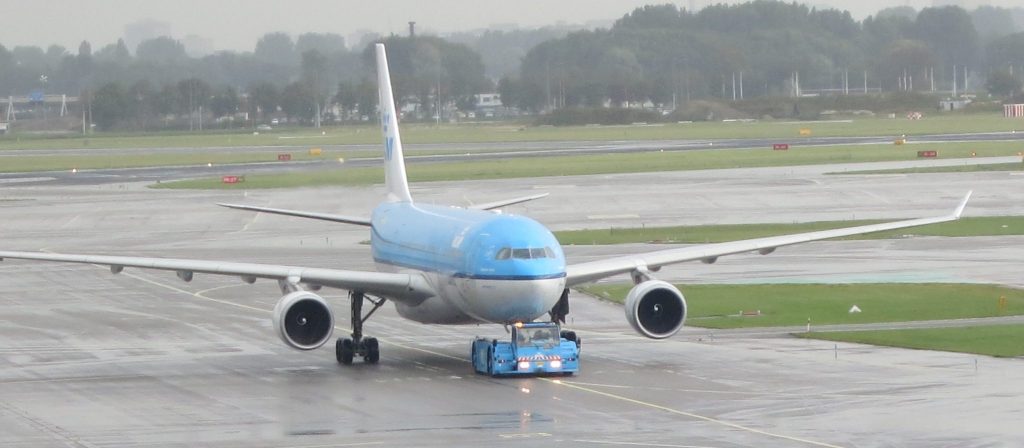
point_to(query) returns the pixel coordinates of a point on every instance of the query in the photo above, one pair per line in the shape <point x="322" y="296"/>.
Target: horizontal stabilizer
<point x="301" y="214"/>
<point x="507" y="202"/>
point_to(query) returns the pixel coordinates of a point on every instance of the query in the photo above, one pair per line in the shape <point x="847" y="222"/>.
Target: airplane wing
<point x="587" y="272"/>
<point x="507" y="202"/>
<point x="406" y="288"/>
<point x="301" y="214"/>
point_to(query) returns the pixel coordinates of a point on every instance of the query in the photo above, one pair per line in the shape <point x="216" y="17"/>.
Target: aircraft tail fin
<point x="394" y="161"/>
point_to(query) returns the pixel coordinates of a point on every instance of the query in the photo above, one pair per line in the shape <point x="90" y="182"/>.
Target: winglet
<point x="960" y="208"/>
<point x="394" y="161"/>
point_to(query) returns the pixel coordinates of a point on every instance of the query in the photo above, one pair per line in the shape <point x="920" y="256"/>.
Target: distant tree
<point x="911" y="56"/>
<point x="167" y="101"/>
<point x="32" y="59"/>
<point x="297" y="101"/>
<point x="655" y="16"/>
<point x="9" y="73"/>
<point x="265" y="97"/>
<point x="54" y="55"/>
<point x="314" y="70"/>
<point x="110" y="105"/>
<point x="115" y="54"/>
<point x="192" y="94"/>
<point x="1006" y="51"/>
<point x="163" y="50"/>
<point x="521" y="94"/>
<point x="6" y="58"/>
<point x="949" y="32"/>
<point x="367" y="98"/>
<point x="141" y="102"/>
<point x="420" y="65"/>
<point x="276" y="48"/>
<point x="326" y="43"/>
<point x="346" y="97"/>
<point x="904" y="12"/>
<point x="992" y="22"/>
<point x="224" y="102"/>
<point x="1003" y="83"/>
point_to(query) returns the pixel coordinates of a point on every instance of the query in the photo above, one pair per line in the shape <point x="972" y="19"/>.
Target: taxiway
<point x="89" y="359"/>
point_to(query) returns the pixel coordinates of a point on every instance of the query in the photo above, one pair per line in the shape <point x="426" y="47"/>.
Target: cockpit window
<point x="525" y="253"/>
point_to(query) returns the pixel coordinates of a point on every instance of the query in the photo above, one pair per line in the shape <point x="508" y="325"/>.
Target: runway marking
<point x="548" y="380"/>
<point x="21" y="180"/>
<point x="607" y="442"/>
<point x="218" y="288"/>
<point x="332" y="445"/>
<point x="622" y="216"/>
<point x="527" y="435"/>
<point x="688" y="414"/>
<point x="245" y="228"/>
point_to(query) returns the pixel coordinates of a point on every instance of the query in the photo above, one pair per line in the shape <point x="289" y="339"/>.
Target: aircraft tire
<point x="344" y="351"/>
<point x="372" y="350"/>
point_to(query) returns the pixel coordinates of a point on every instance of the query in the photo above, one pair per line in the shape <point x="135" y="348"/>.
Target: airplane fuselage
<point x="485" y="266"/>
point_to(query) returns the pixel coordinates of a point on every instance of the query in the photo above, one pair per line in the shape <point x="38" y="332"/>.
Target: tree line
<point x="654" y="54"/>
<point x="160" y="86"/>
<point x="661" y="53"/>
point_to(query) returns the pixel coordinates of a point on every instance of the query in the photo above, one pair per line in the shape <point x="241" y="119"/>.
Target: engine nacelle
<point x="655" y="309"/>
<point x="303" y="320"/>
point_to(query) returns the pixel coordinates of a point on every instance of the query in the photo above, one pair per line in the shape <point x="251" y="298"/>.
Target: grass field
<point x="945" y="169"/>
<point x="720" y="306"/>
<point x="610" y="163"/>
<point x="967" y="226"/>
<point x="993" y="340"/>
<point x="786" y="131"/>
<point x="28" y="163"/>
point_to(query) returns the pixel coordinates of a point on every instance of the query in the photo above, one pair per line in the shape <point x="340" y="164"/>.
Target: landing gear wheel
<point x="344" y="350"/>
<point x="372" y="354"/>
<point x="367" y="348"/>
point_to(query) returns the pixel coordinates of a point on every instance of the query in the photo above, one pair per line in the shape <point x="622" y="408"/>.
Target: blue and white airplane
<point x="451" y="265"/>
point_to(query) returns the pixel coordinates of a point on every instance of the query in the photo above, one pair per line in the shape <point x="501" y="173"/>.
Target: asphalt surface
<point x="89" y="359"/>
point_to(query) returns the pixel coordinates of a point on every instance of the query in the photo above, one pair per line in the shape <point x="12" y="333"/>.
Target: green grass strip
<point x="992" y="340"/>
<point x="967" y="226"/>
<point x="785" y="131"/>
<point x="606" y="164"/>
<point x="721" y="306"/>
<point x="944" y="169"/>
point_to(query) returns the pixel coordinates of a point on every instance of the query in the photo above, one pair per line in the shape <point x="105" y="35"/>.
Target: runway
<point x="89" y="359"/>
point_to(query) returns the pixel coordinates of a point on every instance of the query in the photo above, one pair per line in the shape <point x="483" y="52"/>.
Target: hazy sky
<point x="236" y="24"/>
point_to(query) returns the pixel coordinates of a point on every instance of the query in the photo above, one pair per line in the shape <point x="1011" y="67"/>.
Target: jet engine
<point x="303" y="320"/>
<point x="655" y="309"/>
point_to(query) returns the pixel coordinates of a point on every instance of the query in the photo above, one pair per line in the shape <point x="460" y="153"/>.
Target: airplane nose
<point x="519" y="300"/>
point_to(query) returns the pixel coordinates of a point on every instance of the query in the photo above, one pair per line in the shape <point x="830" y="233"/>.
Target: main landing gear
<point x="346" y="349"/>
